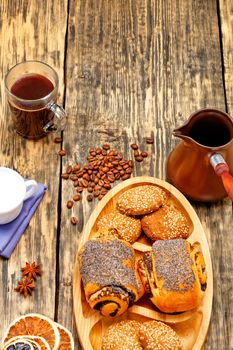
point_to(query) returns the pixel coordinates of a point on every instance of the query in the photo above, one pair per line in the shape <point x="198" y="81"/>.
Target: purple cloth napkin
<point x="11" y="233"/>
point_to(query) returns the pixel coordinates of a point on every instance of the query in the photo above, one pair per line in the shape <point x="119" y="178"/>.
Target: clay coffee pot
<point x="201" y="164"/>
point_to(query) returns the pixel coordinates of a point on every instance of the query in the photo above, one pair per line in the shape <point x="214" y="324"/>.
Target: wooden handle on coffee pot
<point x="222" y="169"/>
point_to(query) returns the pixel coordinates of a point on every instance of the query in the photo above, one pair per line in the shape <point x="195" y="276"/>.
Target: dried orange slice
<point x="66" y="339"/>
<point x="35" y="325"/>
<point x="40" y="342"/>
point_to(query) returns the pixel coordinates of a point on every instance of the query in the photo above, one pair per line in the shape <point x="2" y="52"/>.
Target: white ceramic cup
<point x="14" y="190"/>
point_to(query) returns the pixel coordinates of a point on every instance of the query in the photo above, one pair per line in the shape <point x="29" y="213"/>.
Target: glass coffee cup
<point x="32" y="91"/>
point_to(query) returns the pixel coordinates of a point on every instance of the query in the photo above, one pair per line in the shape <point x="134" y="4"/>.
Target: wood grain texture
<point x="31" y="30"/>
<point x="135" y="69"/>
<point x="132" y="69"/>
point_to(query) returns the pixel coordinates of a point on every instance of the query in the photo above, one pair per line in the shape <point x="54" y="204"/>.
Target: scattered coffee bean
<point x="106" y="146"/>
<point x="69" y="169"/>
<point x="74" y="220"/>
<point x="90" y="189"/>
<point x="144" y="154"/>
<point x="69" y="204"/>
<point x="58" y="140"/>
<point x="62" y="153"/>
<point x="79" y="189"/>
<point x="125" y="177"/>
<point x="76" y="197"/>
<point x="100" y="197"/>
<point x="139" y="158"/>
<point x="136" y="153"/>
<point x="65" y="176"/>
<point x="73" y="177"/>
<point x="90" y="197"/>
<point x="149" y="140"/>
<point x="134" y="146"/>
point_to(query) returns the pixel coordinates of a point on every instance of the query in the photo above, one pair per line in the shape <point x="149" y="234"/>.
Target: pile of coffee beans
<point x="104" y="167"/>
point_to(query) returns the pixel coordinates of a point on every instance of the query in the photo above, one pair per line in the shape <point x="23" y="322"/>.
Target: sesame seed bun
<point x="168" y="222"/>
<point x="141" y="200"/>
<point x="157" y="335"/>
<point x="128" y="228"/>
<point x="122" y="335"/>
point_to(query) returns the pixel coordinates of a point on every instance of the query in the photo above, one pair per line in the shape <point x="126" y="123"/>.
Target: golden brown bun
<point x="174" y="275"/>
<point x="157" y="335"/>
<point x="141" y="200"/>
<point x="122" y="336"/>
<point x="109" y="274"/>
<point x="168" y="222"/>
<point x="128" y="228"/>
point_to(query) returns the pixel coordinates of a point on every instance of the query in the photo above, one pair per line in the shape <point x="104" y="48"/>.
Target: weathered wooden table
<point x="128" y="69"/>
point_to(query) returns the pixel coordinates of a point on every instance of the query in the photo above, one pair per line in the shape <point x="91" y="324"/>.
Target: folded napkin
<point x="11" y="233"/>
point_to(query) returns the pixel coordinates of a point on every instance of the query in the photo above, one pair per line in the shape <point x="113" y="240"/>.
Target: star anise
<point x="25" y="286"/>
<point x="31" y="270"/>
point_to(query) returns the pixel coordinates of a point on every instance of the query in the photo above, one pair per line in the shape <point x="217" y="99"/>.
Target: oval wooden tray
<point x="192" y="326"/>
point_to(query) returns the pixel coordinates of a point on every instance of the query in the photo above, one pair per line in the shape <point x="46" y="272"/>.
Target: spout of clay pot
<point x="179" y="132"/>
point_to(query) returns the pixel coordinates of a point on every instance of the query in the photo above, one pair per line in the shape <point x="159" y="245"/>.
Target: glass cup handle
<point x="58" y="123"/>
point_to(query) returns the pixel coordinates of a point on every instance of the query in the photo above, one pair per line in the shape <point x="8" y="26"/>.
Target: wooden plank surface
<point x="136" y="69"/>
<point x="31" y="30"/>
<point x="132" y="69"/>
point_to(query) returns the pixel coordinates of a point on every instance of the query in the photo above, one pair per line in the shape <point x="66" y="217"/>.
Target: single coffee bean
<point x="100" y="197"/>
<point x="89" y="197"/>
<point x="125" y="177"/>
<point x="92" y="184"/>
<point x="58" y="140"/>
<point x="80" y="183"/>
<point x="125" y="166"/>
<point x="96" y="193"/>
<point x="101" y="182"/>
<point x="85" y="182"/>
<point x="76" y="197"/>
<point x="69" y="204"/>
<point x="111" y="153"/>
<point x="103" y="192"/>
<point x="98" y="188"/>
<point x="122" y="172"/>
<point x="149" y="140"/>
<point x="144" y="154"/>
<point x="77" y="167"/>
<point x="129" y="171"/>
<point x="107" y="181"/>
<point x="79" y="189"/>
<point x="106" y="146"/>
<point x="74" y="220"/>
<point x="107" y="186"/>
<point x="136" y="153"/>
<point x="98" y="150"/>
<point x="65" y="176"/>
<point x="86" y="177"/>
<point x="111" y="178"/>
<point x="134" y="146"/>
<point x="115" y="162"/>
<point x="62" y="153"/>
<point x="92" y="149"/>
<point x="139" y="158"/>
<point x="76" y="183"/>
<point x="117" y="176"/>
<point x="73" y="177"/>
<point x="96" y="180"/>
<point x="90" y="189"/>
<point x="105" y="169"/>
<point x="79" y="173"/>
<point x="130" y="162"/>
<point x="69" y="169"/>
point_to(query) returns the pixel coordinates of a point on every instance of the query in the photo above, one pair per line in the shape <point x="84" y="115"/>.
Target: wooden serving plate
<point x="192" y="326"/>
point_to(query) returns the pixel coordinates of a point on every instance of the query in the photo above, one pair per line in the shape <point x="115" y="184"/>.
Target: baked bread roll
<point x="157" y="335"/>
<point x="109" y="274"/>
<point x="174" y="275"/>
<point x="122" y="336"/>
<point x="128" y="228"/>
<point x="141" y="200"/>
<point x="168" y="222"/>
